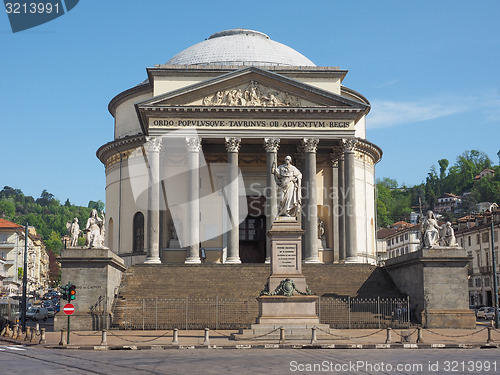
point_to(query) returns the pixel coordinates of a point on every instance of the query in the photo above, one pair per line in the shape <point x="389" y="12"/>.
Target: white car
<point x="490" y="313"/>
<point x="482" y="310"/>
<point x="37" y="313"/>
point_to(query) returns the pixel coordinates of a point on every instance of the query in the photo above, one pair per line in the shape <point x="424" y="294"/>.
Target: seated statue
<point x="430" y="231"/>
<point x="448" y="236"/>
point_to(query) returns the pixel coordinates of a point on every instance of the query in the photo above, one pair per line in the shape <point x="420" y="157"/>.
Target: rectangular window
<point x="469" y="241"/>
<point x="406" y="236"/>
<point x="477" y="239"/>
<point x="495" y="235"/>
<point x="486" y="237"/>
<point x="487" y="281"/>
<point x="478" y="282"/>
<point x="388" y="242"/>
<point x="461" y="242"/>
<point x="393" y="241"/>
<point x="401" y="238"/>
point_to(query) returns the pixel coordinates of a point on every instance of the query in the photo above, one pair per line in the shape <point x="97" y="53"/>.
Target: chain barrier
<point x="220" y="333"/>
<point x="331" y="334"/>
<point x="257" y="337"/>
<point x="81" y="335"/>
<point x="451" y="336"/>
<point x="153" y="339"/>
<point x="371" y="334"/>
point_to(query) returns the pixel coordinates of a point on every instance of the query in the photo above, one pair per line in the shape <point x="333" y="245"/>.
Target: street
<point x="22" y="360"/>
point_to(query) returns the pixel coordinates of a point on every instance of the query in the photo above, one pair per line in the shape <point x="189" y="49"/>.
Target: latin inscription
<point x="287" y="256"/>
<point x="251" y="124"/>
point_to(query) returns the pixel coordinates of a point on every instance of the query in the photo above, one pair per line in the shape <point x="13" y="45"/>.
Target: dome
<point x="240" y="47"/>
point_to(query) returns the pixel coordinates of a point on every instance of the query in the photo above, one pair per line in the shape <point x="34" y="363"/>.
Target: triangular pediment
<point x="252" y="87"/>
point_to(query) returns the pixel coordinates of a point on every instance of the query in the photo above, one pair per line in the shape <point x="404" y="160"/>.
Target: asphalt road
<point x="22" y="360"/>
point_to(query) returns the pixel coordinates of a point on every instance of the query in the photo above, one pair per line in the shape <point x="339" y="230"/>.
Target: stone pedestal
<point x="287" y="302"/>
<point x="96" y="273"/>
<point x="436" y="282"/>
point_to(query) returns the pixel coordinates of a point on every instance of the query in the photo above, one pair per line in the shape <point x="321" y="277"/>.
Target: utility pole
<point x="25" y="279"/>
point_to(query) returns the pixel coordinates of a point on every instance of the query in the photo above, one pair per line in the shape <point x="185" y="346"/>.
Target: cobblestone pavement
<point x="22" y="360"/>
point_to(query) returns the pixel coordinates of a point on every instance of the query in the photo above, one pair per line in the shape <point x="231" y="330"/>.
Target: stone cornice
<point x="141" y="88"/>
<point x="369" y="149"/>
<point x="119" y="145"/>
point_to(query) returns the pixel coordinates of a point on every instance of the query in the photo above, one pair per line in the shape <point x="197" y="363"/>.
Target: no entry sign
<point x="69" y="308"/>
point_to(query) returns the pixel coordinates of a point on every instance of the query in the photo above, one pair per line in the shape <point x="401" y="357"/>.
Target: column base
<point x="152" y="260"/>
<point x="233" y="260"/>
<point x="355" y="260"/>
<point x="268" y="260"/>
<point x="312" y="260"/>
<point x="193" y="260"/>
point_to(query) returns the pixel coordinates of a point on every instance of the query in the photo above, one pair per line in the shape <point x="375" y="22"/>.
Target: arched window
<point x="138" y="233"/>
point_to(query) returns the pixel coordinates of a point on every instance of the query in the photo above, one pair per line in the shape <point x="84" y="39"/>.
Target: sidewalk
<point x="343" y="339"/>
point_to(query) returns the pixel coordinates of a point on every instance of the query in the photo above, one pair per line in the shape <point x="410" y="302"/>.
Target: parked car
<point x="490" y="313"/>
<point x="482" y="310"/>
<point x="37" y="313"/>
<point x="51" y="311"/>
<point x="475" y="308"/>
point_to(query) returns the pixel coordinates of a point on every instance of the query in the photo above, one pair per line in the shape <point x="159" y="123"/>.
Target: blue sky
<point x="429" y="68"/>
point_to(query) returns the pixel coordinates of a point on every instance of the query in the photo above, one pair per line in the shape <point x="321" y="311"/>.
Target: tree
<point x="67" y="203"/>
<point x="99" y="205"/>
<point x="45" y="199"/>
<point x="7" y="209"/>
<point x="443" y="164"/>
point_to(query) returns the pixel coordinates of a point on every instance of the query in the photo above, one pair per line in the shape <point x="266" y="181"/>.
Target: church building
<point x="189" y="171"/>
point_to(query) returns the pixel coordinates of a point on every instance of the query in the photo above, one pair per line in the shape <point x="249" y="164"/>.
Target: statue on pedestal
<point x="94" y="231"/>
<point x="429" y="229"/>
<point x="73" y="231"/>
<point x="448" y="236"/>
<point x="288" y="179"/>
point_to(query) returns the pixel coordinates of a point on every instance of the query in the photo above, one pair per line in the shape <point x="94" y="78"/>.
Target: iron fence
<point x="223" y="313"/>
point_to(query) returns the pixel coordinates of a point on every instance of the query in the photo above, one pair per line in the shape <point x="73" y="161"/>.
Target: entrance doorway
<point x="253" y="239"/>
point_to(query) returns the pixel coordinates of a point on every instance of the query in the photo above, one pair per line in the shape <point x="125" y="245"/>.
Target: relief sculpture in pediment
<point x="253" y="95"/>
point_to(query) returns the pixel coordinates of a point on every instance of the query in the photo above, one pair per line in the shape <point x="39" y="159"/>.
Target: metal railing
<point x="223" y="313"/>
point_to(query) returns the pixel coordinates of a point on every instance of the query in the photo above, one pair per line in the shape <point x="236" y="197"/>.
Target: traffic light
<point x="72" y="293"/>
<point x="64" y="292"/>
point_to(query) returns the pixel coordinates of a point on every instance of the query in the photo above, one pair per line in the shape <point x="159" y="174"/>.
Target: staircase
<point x="153" y="296"/>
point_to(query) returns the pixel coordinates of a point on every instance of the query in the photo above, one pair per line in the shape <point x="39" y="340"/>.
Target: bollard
<point x="206" y="340"/>
<point x="14" y="332"/>
<point x="19" y="332"/>
<point x="33" y="334"/>
<point x="314" y="339"/>
<point x="63" y="337"/>
<point x="42" y="336"/>
<point x="420" y="340"/>
<point x="388" y="340"/>
<point x="104" y="341"/>
<point x="3" y="331"/>
<point x="282" y="336"/>
<point x="7" y="331"/>
<point x="37" y="327"/>
<point x="175" y="337"/>
<point x="490" y="340"/>
<point x="27" y="334"/>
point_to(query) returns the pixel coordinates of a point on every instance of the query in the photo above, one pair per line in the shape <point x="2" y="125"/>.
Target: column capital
<point x="193" y="144"/>
<point x="337" y="155"/>
<point x="310" y="144"/>
<point x="271" y="144"/>
<point x="233" y="144"/>
<point x="153" y="144"/>
<point x="349" y="144"/>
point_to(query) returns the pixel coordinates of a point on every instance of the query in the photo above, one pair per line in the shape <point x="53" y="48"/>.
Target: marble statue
<point x="448" y="236"/>
<point x="94" y="231"/>
<point x="73" y="231"/>
<point x="321" y="233"/>
<point x="430" y="231"/>
<point x="288" y="179"/>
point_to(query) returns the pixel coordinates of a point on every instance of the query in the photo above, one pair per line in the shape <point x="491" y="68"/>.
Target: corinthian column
<point x="311" y="214"/>
<point x="193" y="215"/>
<point x="351" y="245"/>
<point x="233" y="243"/>
<point x="337" y="160"/>
<point x="271" y="145"/>
<point x="152" y="148"/>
